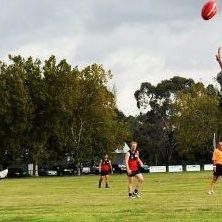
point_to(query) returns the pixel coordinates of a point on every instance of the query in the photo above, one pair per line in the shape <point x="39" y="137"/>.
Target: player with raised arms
<point x="217" y="154"/>
<point x="132" y="162"/>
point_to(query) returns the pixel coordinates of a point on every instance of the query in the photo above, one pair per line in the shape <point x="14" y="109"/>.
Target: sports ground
<point x="167" y="197"/>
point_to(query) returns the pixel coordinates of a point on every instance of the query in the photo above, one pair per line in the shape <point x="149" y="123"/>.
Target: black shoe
<point x="132" y="196"/>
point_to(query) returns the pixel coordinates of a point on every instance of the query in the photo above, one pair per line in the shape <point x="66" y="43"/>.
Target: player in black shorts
<point x="217" y="166"/>
<point x="105" y="167"/>
<point x="132" y="162"/>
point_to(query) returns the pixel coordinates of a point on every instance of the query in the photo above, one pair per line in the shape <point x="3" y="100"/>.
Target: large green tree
<point x="51" y="109"/>
<point x="15" y="112"/>
<point x="155" y="131"/>
<point x="196" y="118"/>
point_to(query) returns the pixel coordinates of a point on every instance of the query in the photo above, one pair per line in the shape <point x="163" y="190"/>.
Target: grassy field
<point x="172" y="197"/>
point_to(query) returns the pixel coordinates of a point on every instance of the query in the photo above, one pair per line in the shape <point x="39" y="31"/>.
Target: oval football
<point x="209" y="10"/>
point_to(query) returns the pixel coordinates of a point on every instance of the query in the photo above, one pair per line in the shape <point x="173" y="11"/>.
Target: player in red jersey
<point x="132" y="162"/>
<point x="105" y="167"/>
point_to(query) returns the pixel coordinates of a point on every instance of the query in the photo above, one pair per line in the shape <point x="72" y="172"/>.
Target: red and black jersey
<point x="133" y="160"/>
<point x="105" y="165"/>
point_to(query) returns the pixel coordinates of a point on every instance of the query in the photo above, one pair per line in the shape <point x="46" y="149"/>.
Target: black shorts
<point x="104" y="173"/>
<point x="133" y="173"/>
<point x="218" y="171"/>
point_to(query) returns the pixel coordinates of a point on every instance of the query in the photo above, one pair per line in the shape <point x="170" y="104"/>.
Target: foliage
<point x="196" y="118"/>
<point x="49" y="109"/>
<point x="155" y="131"/>
<point x="177" y="121"/>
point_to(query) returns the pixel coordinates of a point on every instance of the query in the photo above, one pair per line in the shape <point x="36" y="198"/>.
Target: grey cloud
<point x="139" y="40"/>
<point x="153" y="11"/>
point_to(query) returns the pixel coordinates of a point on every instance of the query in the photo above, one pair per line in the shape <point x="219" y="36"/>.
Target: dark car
<point x="145" y="169"/>
<point x="69" y="169"/>
<point x="119" y="168"/>
<point x="47" y="171"/>
<point x="95" y="169"/>
<point x="16" y="172"/>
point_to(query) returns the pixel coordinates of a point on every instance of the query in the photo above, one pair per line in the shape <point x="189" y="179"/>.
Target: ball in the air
<point x="209" y="10"/>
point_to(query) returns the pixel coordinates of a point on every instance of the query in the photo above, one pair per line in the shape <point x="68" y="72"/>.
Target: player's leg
<point x="130" y="186"/>
<point x="212" y="184"/>
<point x="107" y="180"/>
<point x="100" y="180"/>
<point x="139" y="182"/>
<point x="217" y="172"/>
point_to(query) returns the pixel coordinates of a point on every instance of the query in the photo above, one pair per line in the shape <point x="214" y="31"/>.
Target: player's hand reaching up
<point x="219" y="57"/>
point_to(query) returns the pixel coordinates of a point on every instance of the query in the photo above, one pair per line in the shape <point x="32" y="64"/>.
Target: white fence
<point x="157" y="169"/>
<point x="175" y="168"/>
<point x="180" y="168"/>
<point x="193" y="168"/>
<point x="208" y="167"/>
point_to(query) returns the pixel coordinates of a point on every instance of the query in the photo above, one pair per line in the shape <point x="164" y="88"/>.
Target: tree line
<point x="50" y="108"/>
<point x="177" y="121"/>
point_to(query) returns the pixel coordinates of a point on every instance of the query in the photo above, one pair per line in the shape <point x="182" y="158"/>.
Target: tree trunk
<point x="35" y="169"/>
<point x="78" y="170"/>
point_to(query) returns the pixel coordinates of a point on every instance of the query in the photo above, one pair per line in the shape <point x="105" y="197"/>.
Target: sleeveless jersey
<point x="105" y="165"/>
<point x="133" y="160"/>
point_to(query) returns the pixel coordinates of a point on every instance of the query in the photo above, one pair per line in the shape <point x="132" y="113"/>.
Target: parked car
<point x="47" y="171"/>
<point x="86" y="170"/>
<point x="69" y="169"/>
<point x="119" y="168"/>
<point x="16" y="172"/>
<point x="95" y="169"/>
<point x="145" y="169"/>
<point x="3" y="174"/>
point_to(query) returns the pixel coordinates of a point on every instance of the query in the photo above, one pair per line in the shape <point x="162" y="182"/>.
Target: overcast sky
<point x="138" y="40"/>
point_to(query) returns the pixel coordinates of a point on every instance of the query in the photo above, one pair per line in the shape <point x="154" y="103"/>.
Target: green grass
<point x="174" y="197"/>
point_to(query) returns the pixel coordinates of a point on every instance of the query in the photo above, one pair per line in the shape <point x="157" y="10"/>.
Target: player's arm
<point x="111" y="168"/>
<point x="139" y="160"/>
<point x="214" y="158"/>
<point x="214" y="166"/>
<point x="126" y="163"/>
<point x="219" y="57"/>
<point x="100" y="164"/>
